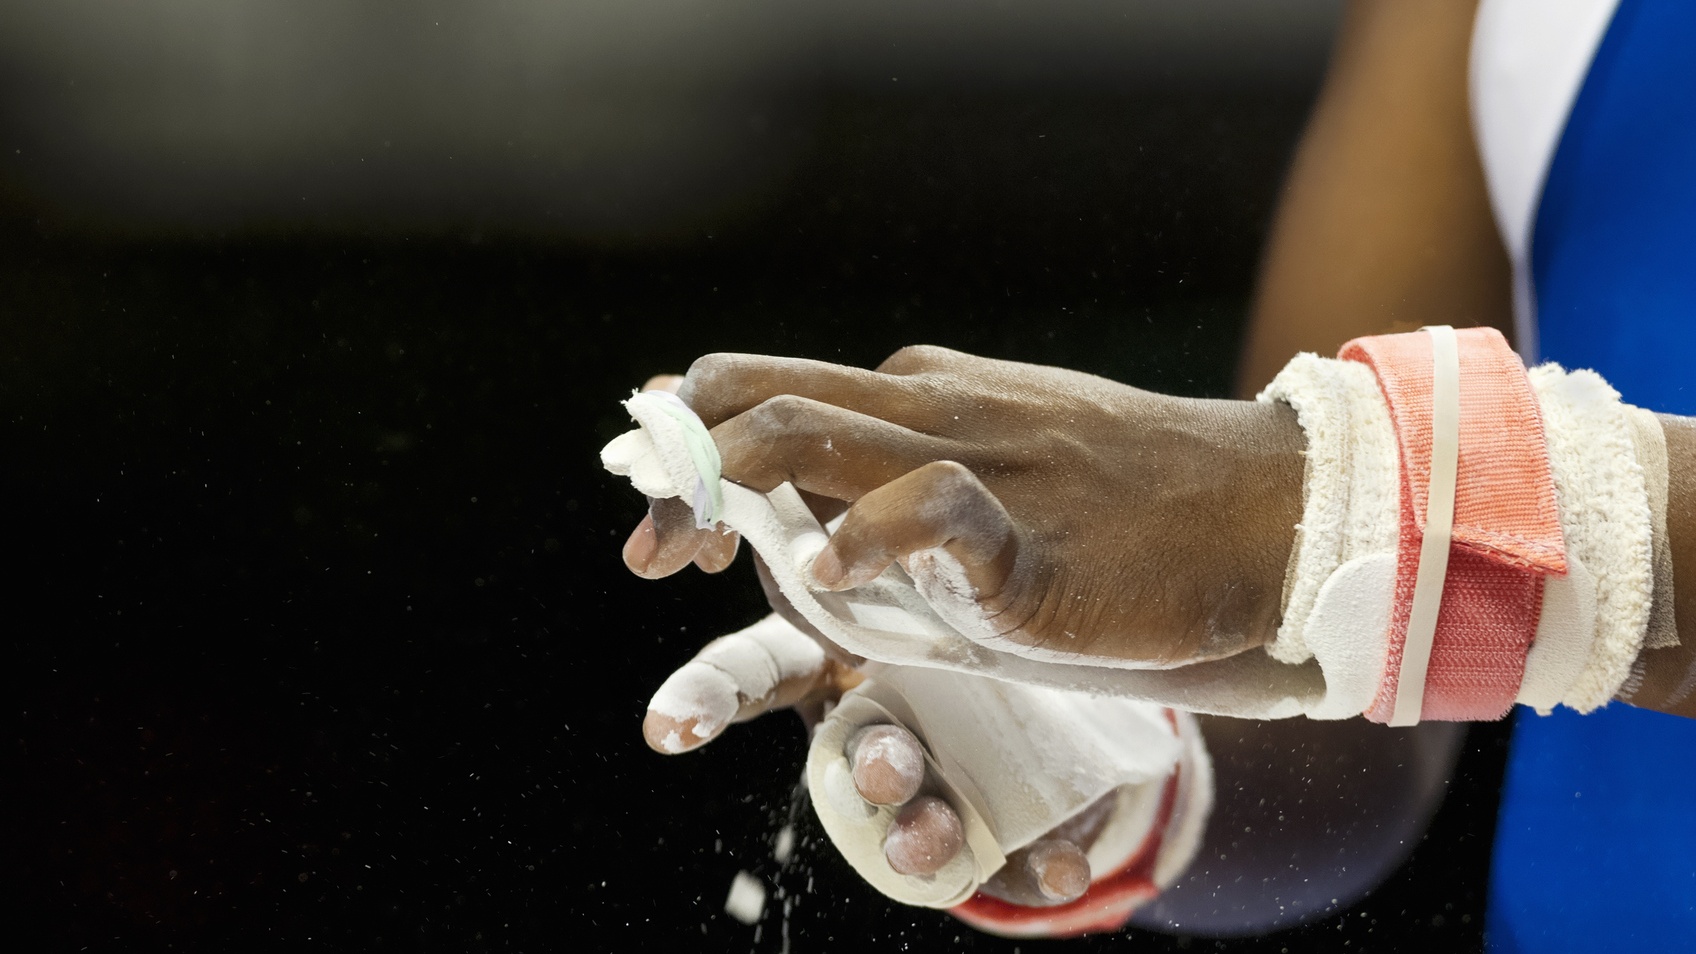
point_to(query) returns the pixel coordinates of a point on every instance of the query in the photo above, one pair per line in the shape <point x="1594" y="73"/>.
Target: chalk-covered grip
<point x="707" y="499"/>
<point x="1015" y="761"/>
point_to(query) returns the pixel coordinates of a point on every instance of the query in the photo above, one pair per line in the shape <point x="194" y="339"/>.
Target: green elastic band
<point x="703" y="453"/>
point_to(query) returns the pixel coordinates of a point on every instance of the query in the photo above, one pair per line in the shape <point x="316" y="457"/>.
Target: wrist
<point x="1245" y="501"/>
<point x="1270" y="464"/>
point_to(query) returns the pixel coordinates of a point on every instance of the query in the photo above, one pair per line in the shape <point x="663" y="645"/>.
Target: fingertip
<point x="1059" y="869"/>
<point x="924" y="837"/>
<point x="672" y="543"/>
<point x="664" y="382"/>
<point x="827" y="568"/>
<point x="642" y="546"/>
<point x="1044" y="873"/>
<point x="718" y="550"/>
<point x="669" y="735"/>
<point x="888" y="764"/>
<point x="691" y="708"/>
<point x="831" y="573"/>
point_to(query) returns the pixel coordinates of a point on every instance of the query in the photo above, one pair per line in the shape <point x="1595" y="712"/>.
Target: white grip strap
<point x="1439" y="526"/>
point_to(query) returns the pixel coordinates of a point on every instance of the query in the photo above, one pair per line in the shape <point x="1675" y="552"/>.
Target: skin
<point x="1385" y="223"/>
<point x="1168" y="544"/>
<point x="922" y="450"/>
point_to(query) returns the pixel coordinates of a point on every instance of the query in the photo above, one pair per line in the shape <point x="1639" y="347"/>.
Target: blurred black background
<point x="314" y="317"/>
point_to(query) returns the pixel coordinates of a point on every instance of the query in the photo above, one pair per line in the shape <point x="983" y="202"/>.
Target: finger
<point x="665" y="540"/>
<point x="887" y="764"/>
<point x="820" y="448"/>
<point x="721" y="386"/>
<point x="925" y="835"/>
<point x="1042" y="874"/>
<point x="941" y="504"/>
<point x="769" y="665"/>
<point x="718" y="551"/>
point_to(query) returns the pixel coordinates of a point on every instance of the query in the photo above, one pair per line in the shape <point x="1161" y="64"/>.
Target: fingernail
<point x="642" y="547"/>
<point x="718" y="551"/>
<point x="691" y="708"/>
<point x="888" y="764"/>
<point x="1060" y="870"/>
<point x="669" y="735"/>
<point x="925" y="836"/>
<point x="827" y="568"/>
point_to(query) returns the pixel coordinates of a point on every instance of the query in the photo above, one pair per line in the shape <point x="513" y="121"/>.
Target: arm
<point x="1010" y="469"/>
<point x="1385" y="223"/>
<point x="1320" y="277"/>
<point x="1386" y="226"/>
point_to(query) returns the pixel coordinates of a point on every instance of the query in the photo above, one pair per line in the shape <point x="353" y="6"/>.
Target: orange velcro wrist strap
<point x="1505" y="535"/>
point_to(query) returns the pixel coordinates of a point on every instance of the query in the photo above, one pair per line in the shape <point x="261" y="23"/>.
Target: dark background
<point x="318" y="635"/>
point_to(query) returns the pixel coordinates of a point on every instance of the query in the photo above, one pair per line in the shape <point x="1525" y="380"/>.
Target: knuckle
<point x="914" y="358"/>
<point x="784" y="414"/>
<point x="709" y="371"/>
<point x="954" y="479"/>
<point x="965" y="497"/>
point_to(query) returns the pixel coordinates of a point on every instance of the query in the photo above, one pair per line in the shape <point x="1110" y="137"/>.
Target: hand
<point x="773" y="665"/>
<point x="1087" y="518"/>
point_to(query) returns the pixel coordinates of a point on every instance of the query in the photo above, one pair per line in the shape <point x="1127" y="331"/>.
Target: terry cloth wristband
<point x="1480" y="523"/>
<point x="1546" y="477"/>
<point x="1598" y="450"/>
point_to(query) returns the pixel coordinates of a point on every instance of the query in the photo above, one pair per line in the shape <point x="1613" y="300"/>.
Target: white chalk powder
<point x="943" y="583"/>
<point x="745" y="666"/>
<point x="785" y="845"/>
<point x="747" y="900"/>
<point x="699" y="692"/>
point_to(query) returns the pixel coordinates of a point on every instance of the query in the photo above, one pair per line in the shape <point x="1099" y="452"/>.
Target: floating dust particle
<point x="783" y="849"/>
<point x="747" y="900"/>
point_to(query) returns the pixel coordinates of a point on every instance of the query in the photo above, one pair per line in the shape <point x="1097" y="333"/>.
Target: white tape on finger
<point x="733" y="672"/>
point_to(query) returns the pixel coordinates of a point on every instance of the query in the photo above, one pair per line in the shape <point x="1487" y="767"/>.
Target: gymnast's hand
<point x="1090" y="519"/>
<point x="782" y="662"/>
<point x="773" y="665"/>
